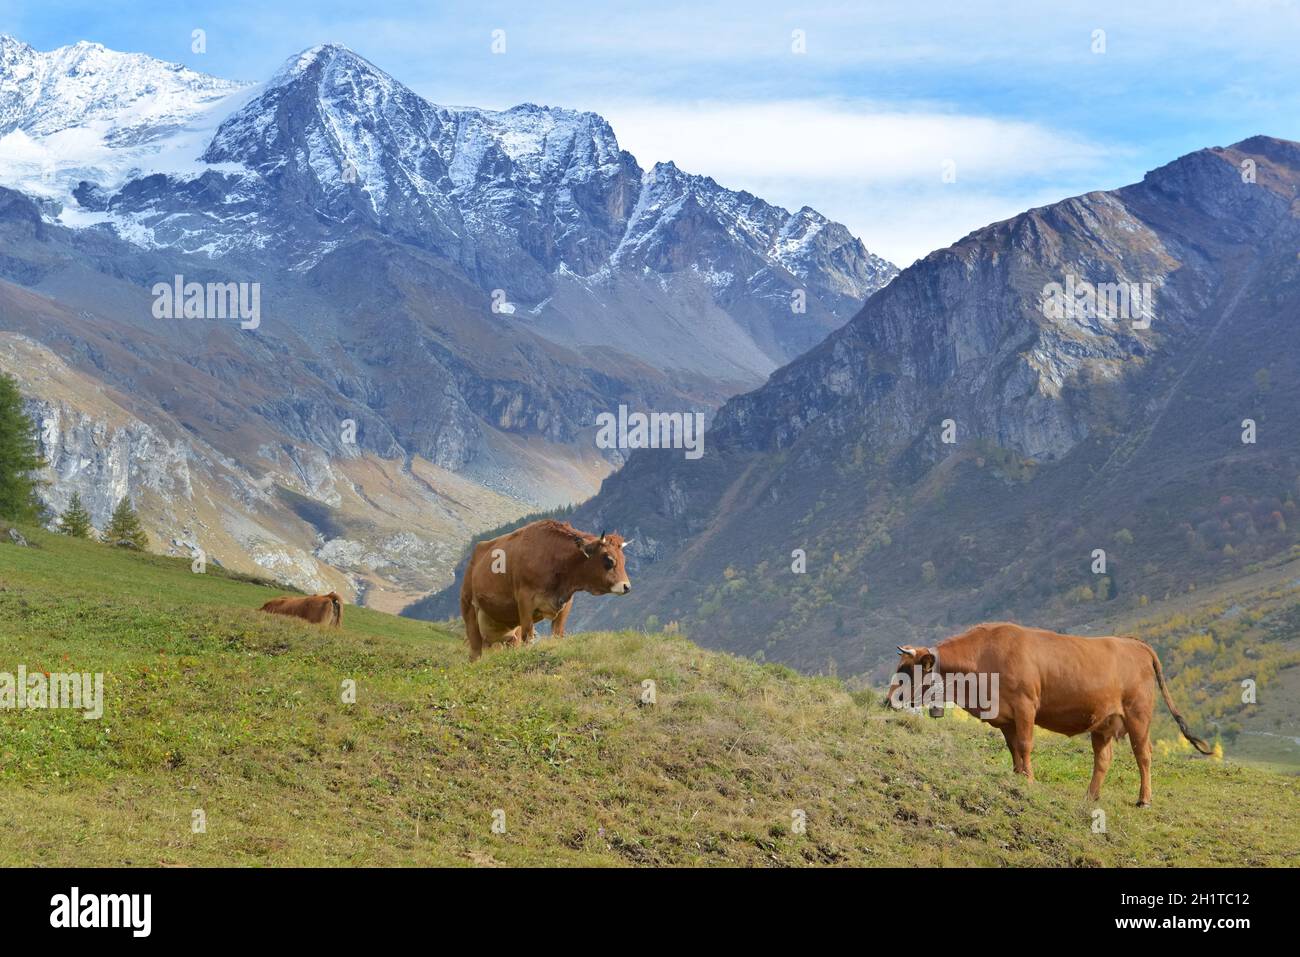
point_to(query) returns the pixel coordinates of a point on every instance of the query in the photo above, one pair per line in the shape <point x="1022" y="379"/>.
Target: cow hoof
<point x="1144" y="804"/>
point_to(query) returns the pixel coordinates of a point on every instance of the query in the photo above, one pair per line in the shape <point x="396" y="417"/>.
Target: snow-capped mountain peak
<point x="137" y="96"/>
<point x="321" y="52"/>
<point x="83" y="112"/>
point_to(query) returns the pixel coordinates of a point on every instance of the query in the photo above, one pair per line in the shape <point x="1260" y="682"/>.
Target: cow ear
<point x="926" y="659"/>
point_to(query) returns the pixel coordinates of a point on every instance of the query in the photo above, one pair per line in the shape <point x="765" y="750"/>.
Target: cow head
<point x="602" y="571"/>
<point x="909" y="661"/>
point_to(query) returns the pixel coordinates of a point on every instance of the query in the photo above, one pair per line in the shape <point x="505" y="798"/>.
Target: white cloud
<point x="811" y="139"/>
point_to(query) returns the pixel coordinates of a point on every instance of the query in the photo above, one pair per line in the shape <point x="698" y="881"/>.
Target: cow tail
<point x="1197" y="743"/>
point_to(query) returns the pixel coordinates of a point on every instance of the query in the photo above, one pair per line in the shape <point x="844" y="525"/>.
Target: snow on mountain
<point x="480" y="186"/>
<point x="140" y="97"/>
<point x="332" y="130"/>
<point x="85" y="112"/>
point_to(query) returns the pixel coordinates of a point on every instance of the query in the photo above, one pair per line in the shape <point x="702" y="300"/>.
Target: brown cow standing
<point x="516" y="580"/>
<point x="317" y="609"/>
<point x="1064" y="683"/>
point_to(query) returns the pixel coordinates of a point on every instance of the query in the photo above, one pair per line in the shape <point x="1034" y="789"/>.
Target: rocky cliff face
<point x="960" y="448"/>
<point x="105" y="464"/>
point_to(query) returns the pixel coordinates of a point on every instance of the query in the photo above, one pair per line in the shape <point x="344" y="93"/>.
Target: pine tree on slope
<point x="75" y="521"/>
<point x="124" y="528"/>
<point x="19" y="457"/>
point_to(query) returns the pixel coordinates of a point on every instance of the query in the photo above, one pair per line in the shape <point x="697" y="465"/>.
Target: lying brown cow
<point x="317" y="609"/>
<point x="514" y="581"/>
<point x="1064" y="683"/>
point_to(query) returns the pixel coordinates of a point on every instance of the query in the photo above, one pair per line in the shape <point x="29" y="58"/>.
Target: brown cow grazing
<point x="516" y="580"/>
<point x="1064" y="683"/>
<point x="317" y="609"/>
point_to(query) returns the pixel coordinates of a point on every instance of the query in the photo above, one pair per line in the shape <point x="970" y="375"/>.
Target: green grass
<point x="210" y="705"/>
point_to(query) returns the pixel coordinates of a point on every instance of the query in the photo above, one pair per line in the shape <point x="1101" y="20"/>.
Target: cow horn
<point x="602" y="536"/>
<point x="628" y="543"/>
<point x="903" y="651"/>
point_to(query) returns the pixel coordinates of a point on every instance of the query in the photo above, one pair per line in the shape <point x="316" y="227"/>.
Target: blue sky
<point x="860" y="126"/>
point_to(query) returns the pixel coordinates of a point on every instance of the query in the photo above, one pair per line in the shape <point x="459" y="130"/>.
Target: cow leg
<point x="557" y="623"/>
<point x="493" y="632"/>
<point x="1009" y="733"/>
<point x="524" y="605"/>
<point x="1025" y="745"/>
<point x="1139" y="736"/>
<point x="1101" y="755"/>
<point x="472" y="633"/>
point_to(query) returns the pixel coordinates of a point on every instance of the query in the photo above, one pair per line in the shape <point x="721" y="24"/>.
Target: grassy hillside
<point x="210" y="705"/>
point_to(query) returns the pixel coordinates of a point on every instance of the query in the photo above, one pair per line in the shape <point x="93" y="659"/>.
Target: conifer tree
<point x="19" y="457"/>
<point x="75" y="521"/>
<point x="124" y="528"/>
